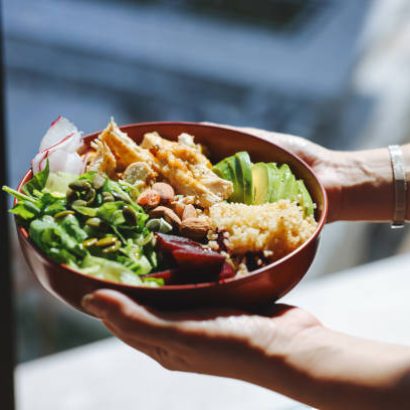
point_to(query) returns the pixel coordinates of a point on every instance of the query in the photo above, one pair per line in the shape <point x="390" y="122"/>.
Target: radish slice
<point x="59" y="130"/>
<point x="59" y="146"/>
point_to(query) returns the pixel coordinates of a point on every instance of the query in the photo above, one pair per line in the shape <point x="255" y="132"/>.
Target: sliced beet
<point x="170" y="243"/>
<point x="193" y="263"/>
<point x="198" y="258"/>
<point x="199" y="265"/>
<point x="226" y="272"/>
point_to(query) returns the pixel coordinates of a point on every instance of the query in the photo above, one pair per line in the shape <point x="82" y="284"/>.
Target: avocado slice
<point x="285" y="178"/>
<point x="223" y="170"/>
<point x="305" y="200"/>
<point x="237" y="169"/>
<point x="236" y="180"/>
<point x="290" y="186"/>
<point x="262" y="183"/>
<point x="226" y="170"/>
<point x="275" y="181"/>
<point x="243" y="170"/>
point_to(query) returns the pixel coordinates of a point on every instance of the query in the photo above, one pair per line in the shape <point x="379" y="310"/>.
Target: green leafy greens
<point x="90" y="222"/>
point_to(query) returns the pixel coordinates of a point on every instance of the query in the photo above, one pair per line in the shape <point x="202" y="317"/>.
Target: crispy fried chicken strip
<point x="103" y="159"/>
<point x="125" y="150"/>
<point x="187" y="170"/>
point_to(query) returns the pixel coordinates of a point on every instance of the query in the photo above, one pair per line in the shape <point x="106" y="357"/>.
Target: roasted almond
<point x="149" y="199"/>
<point x="166" y="213"/>
<point x="178" y="207"/>
<point x="195" y="228"/>
<point x="165" y="191"/>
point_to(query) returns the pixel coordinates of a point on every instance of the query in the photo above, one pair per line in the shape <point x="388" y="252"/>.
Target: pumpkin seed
<point x="88" y="243"/>
<point x="90" y="196"/>
<point x="63" y="214"/>
<point x="129" y="215"/>
<point x="80" y="185"/>
<point x="120" y="196"/>
<point x="79" y="202"/>
<point x="94" y="222"/>
<point x="159" y="225"/>
<point x="113" y="248"/>
<point x="107" y="197"/>
<point x="107" y="241"/>
<point x="71" y="195"/>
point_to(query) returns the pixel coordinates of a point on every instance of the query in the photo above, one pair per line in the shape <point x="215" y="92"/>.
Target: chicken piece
<point x="139" y="171"/>
<point x="102" y="160"/>
<point x="187" y="170"/>
<point x="186" y="139"/>
<point x="125" y="150"/>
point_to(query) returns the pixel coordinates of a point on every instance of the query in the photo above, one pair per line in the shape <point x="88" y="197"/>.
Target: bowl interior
<point x="222" y="142"/>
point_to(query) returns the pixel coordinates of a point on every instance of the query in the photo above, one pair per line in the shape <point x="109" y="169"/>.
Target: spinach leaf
<point x="38" y="182"/>
<point x="54" y="240"/>
<point x="72" y="227"/>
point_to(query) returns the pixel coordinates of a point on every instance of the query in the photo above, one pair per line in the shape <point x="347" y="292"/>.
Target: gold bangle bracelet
<point x="400" y="186"/>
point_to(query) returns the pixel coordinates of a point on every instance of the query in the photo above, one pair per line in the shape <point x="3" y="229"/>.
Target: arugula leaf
<point x="26" y="209"/>
<point x="38" y="182"/>
<point x="88" y="176"/>
<point x="54" y="240"/>
<point x="72" y="227"/>
<point x="85" y="210"/>
<point x="111" y="270"/>
<point x="107" y="211"/>
<point x="23" y="212"/>
<point x="16" y="194"/>
<point x="133" y="257"/>
<point x="62" y="238"/>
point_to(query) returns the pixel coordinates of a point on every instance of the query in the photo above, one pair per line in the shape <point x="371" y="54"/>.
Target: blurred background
<point x="334" y="71"/>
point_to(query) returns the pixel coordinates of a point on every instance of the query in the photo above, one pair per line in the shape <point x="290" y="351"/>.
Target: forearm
<point x="366" y="185"/>
<point x="329" y="370"/>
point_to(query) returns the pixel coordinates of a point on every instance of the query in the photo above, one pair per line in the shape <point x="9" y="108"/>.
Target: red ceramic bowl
<point x="259" y="287"/>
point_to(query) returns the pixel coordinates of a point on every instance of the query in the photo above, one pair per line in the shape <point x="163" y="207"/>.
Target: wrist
<point x="327" y="369"/>
<point x="366" y="186"/>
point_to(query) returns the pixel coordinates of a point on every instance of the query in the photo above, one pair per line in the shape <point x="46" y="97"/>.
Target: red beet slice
<point x="226" y="272"/>
<point x="194" y="264"/>
<point x="194" y="259"/>
<point x="170" y="243"/>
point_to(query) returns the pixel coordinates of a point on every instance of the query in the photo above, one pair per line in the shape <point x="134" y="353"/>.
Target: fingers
<point x="275" y="136"/>
<point x="292" y="143"/>
<point x="128" y="319"/>
<point x="124" y="314"/>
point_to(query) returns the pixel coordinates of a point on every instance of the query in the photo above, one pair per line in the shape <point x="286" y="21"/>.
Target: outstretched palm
<point x="215" y="341"/>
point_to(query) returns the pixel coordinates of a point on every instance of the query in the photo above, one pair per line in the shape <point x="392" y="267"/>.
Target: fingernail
<point x="89" y="305"/>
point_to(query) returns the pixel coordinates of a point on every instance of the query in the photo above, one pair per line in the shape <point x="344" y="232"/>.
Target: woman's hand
<point x="287" y="351"/>
<point x="218" y="342"/>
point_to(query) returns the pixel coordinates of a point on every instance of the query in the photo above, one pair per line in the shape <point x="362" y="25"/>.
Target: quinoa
<point x="275" y="229"/>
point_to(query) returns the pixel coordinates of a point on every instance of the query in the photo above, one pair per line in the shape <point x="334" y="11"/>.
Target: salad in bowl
<point x="160" y="212"/>
<point x="173" y="214"/>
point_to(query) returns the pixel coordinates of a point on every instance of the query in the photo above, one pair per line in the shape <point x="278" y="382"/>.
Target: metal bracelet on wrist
<point x="400" y="186"/>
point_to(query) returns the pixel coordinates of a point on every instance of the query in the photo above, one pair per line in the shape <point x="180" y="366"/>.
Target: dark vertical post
<point x="6" y="288"/>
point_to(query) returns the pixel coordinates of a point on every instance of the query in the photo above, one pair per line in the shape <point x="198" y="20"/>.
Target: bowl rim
<point x="168" y="288"/>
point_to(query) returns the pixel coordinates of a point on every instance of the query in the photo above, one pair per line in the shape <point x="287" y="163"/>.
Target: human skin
<point x="286" y="349"/>
<point x="359" y="184"/>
